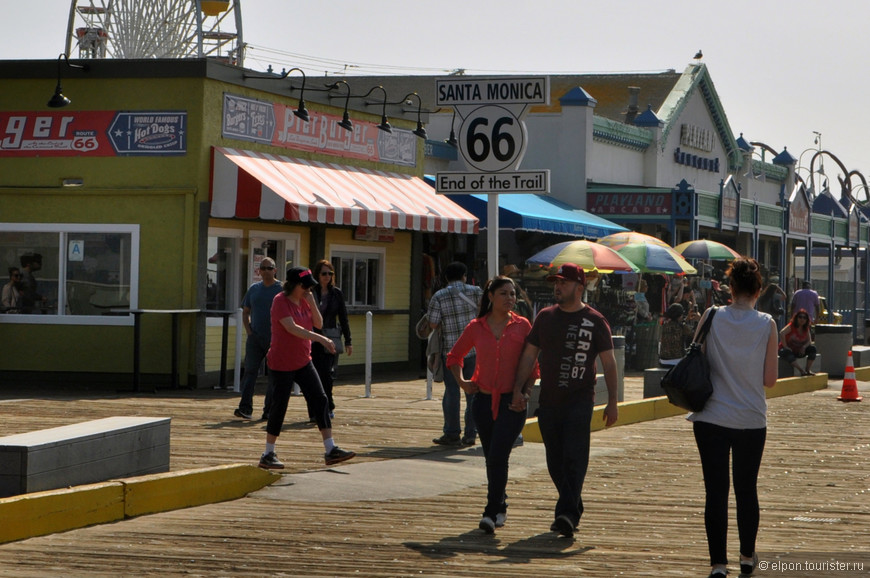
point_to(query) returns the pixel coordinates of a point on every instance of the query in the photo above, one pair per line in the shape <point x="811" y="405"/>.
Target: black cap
<point x="301" y="275"/>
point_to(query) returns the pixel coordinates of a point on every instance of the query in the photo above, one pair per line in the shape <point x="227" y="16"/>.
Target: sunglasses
<point x="14" y="275"/>
<point x="326" y="273"/>
<point x="267" y="268"/>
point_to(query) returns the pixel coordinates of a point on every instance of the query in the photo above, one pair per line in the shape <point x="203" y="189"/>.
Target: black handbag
<point x="687" y="384"/>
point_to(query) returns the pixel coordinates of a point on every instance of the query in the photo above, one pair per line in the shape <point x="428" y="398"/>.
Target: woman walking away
<point x="330" y="301"/>
<point x="498" y="334"/>
<point x="741" y="348"/>
<point x="294" y="315"/>
<point x="796" y="340"/>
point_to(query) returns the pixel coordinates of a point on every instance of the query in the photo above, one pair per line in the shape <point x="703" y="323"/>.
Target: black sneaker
<point x="264" y="417"/>
<point x="338" y="455"/>
<point x="747" y="568"/>
<point x="563" y="525"/>
<point x="468" y="441"/>
<point x="448" y="440"/>
<point x="241" y="414"/>
<point x="270" y="462"/>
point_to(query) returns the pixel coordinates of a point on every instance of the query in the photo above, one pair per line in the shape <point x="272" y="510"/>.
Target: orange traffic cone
<point x="850" y="386"/>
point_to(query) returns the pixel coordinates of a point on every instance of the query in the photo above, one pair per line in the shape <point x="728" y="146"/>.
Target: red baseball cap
<point x="569" y="272"/>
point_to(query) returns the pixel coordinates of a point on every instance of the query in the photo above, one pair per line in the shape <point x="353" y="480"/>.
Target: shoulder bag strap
<point x="466" y="298"/>
<point x="706" y="327"/>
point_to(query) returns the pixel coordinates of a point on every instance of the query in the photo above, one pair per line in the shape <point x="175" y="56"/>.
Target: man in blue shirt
<point x="256" y="308"/>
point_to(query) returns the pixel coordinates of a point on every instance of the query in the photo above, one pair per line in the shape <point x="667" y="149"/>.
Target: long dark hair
<point x="491" y="287"/>
<point x="319" y="267"/>
<point x="744" y="276"/>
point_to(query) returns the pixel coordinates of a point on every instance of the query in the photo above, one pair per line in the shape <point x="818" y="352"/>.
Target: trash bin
<point x="646" y="338"/>
<point x="833" y="343"/>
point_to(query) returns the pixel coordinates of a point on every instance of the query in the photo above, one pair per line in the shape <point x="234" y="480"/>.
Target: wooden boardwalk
<point x="643" y="496"/>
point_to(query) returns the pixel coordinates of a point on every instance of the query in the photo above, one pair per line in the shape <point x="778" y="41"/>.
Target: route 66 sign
<point x="492" y="137"/>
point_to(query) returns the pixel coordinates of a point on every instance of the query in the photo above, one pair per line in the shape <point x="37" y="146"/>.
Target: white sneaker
<point x="487" y="524"/>
<point x="500" y="519"/>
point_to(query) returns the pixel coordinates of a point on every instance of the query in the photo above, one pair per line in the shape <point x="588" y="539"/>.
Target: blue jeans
<point x="744" y="447"/>
<point x="565" y="432"/>
<point x="497" y="438"/>
<point x="451" y="401"/>
<point x="256" y="348"/>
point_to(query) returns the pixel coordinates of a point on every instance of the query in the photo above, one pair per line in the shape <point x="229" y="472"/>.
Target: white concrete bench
<point x="83" y="453"/>
<point x="860" y="355"/>
<point x="652" y="381"/>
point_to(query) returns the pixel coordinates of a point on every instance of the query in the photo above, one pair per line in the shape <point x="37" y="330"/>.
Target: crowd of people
<point x="495" y="356"/>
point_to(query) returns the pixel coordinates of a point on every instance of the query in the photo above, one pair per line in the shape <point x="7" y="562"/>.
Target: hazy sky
<point x="782" y="69"/>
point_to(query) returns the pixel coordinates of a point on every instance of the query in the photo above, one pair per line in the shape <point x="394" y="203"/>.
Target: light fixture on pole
<point x="452" y="140"/>
<point x="58" y="100"/>
<point x="385" y="125"/>
<point x="419" y="131"/>
<point x="300" y="111"/>
<point x="345" y="118"/>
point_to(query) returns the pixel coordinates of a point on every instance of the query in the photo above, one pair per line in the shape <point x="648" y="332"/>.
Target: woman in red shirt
<point x="498" y="335"/>
<point x="795" y="341"/>
<point x="294" y="315"/>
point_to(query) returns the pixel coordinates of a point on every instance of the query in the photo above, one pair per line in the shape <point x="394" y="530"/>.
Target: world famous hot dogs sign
<point x="93" y="133"/>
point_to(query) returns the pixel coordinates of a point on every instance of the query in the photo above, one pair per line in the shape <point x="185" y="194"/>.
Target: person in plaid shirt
<point x="453" y="307"/>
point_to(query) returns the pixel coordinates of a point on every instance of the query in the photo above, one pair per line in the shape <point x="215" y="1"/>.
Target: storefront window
<point x="359" y="276"/>
<point x="223" y="291"/>
<point x="98" y="266"/>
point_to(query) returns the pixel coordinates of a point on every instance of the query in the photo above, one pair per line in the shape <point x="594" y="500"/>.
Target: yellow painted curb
<point x="42" y="513"/>
<point x="658" y="407"/>
<point x="187" y="488"/>
<point x="862" y="373"/>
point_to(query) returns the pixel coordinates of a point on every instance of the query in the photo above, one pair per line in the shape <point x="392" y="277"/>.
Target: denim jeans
<point x="451" y="401"/>
<point x="565" y="432"/>
<point x="497" y="438"/>
<point x="256" y="348"/>
<point x="745" y="448"/>
<point x="323" y="362"/>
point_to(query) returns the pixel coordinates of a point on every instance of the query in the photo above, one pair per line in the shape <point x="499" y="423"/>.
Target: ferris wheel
<point x="132" y="29"/>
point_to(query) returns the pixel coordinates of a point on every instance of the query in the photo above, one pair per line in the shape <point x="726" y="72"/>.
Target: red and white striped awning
<point x="252" y="185"/>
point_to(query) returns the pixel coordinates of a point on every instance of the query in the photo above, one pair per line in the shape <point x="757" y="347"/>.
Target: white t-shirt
<point x="736" y="347"/>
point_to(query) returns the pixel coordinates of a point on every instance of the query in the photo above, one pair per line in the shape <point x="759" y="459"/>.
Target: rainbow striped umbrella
<point x="586" y="254"/>
<point x="706" y="249"/>
<point x="617" y="240"/>
<point x="652" y="258"/>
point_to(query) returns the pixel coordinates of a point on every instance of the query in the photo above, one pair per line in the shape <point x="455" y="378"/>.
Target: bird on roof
<point x="699" y="55"/>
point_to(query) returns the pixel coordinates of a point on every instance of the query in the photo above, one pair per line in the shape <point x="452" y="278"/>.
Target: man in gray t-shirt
<point x="256" y="317"/>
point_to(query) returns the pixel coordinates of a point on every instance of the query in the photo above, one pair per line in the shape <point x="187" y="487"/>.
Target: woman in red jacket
<point x="498" y="335"/>
<point x="796" y="340"/>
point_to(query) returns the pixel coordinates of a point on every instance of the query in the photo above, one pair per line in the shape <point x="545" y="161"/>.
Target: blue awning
<point x="530" y="212"/>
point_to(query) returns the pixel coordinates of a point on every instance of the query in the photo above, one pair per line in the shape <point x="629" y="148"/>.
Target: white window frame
<point x="235" y="282"/>
<point x="340" y="250"/>
<point x="287" y="238"/>
<point x="63" y="230"/>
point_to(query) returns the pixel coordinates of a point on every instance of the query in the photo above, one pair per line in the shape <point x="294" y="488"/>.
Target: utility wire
<point x="314" y="65"/>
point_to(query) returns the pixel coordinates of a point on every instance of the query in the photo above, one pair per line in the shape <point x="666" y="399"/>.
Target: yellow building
<point x="162" y="185"/>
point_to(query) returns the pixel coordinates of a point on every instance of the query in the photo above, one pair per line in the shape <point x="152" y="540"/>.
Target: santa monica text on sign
<point x="510" y="90"/>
